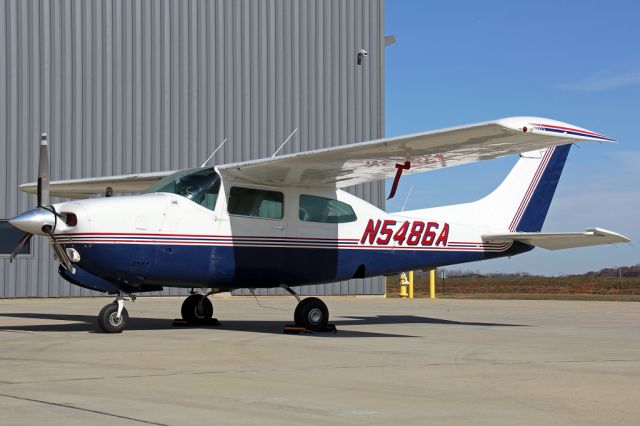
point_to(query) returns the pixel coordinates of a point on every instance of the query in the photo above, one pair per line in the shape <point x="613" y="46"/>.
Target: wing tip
<point x="606" y="233"/>
<point x="541" y="125"/>
<point x="29" y="187"/>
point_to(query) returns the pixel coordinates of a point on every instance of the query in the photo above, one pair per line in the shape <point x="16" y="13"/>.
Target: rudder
<point x="535" y="204"/>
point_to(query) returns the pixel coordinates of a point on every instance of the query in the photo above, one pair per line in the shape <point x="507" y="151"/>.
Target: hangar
<point x="132" y="86"/>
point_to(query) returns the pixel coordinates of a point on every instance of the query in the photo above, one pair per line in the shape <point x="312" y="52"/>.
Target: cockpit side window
<point x="198" y="185"/>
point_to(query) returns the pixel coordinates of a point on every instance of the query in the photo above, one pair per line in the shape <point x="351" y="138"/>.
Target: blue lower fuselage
<point x="147" y="265"/>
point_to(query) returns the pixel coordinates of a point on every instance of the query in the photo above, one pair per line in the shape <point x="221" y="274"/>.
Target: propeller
<point x="21" y="243"/>
<point x="43" y="172"/>
<point x="43" y="219"/>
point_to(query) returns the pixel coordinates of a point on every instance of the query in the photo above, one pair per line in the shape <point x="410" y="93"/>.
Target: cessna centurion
<point x="284" y="221"/>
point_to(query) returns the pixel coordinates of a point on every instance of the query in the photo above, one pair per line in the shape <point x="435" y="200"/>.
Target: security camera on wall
<point x="361" y="54"/>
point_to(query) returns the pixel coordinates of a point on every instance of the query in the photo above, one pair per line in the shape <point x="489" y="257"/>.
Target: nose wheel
<point x="113" y="318"/>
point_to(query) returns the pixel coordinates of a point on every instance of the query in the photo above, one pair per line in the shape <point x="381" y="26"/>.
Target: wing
<point x="374" y="160"/>
<point x="83" y="188"/>
<point x="560" y="240"/>
<point x="365" y="161"/>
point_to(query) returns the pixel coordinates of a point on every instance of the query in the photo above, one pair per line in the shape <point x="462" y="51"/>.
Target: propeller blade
<point x="60" y="253"/>
<point x="21" y="242"/>
<point x="43" y="172"/>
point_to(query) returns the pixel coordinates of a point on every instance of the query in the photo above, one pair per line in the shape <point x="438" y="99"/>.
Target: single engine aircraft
<point x="285" y="221"/>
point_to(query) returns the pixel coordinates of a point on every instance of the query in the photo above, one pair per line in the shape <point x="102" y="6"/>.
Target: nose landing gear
<point x="113" y="318"/>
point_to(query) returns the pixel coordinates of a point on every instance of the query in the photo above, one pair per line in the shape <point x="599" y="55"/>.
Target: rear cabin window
<point x="256" y="203"/>
<point x="324" y="210"/>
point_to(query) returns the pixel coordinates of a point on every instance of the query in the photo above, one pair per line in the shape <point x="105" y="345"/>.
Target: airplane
<point x="285" y="221"/>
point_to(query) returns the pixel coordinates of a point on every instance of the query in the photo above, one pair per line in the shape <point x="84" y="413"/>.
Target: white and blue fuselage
<point x="160" y="239"/>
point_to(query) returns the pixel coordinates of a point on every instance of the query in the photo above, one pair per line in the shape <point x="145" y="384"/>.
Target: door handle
<point x="280" y="227"/>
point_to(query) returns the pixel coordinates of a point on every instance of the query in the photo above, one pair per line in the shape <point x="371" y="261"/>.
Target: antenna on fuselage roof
<point x="285" y="142"/>
<point x="214" y="152"/>
<point x="407" y="199"/>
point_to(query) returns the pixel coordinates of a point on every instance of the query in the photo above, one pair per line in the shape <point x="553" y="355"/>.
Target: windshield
<point x="198" y="185"/>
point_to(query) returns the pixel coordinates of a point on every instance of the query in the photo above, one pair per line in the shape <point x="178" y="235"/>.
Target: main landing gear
<point x="197" y="309"/>
<point x="311" y="313"/>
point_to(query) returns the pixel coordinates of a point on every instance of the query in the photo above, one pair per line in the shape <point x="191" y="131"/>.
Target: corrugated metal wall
<point x="130" y="86"/>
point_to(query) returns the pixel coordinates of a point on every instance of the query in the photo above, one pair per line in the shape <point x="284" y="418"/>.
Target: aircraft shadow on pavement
<point x="88" y="323"/>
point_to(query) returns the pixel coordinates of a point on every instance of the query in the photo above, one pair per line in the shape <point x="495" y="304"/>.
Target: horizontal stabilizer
<point x="560" y="240"/>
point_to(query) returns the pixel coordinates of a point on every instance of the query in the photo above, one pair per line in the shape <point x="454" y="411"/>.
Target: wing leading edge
<point x="375" y="160"/>
<point x="560" y="240"/>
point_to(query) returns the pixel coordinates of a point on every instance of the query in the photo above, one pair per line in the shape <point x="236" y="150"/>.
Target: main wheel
<point x="108" y="319"/>
<point x="312" y="314"/>
<point x="197" y="309"/>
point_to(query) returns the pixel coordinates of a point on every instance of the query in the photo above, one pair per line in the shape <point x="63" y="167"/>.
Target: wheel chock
<point x="296" y="329"/>
<point x="179" y="322"/>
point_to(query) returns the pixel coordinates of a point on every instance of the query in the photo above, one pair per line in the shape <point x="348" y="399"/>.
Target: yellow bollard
<point x="403" y="285"/>
<point x="432" y="283"/>
<point x="410" y="284"/>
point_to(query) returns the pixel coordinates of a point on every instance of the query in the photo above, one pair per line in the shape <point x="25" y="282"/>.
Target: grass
<point x="516" y="296"/>
<point x="531" y="288"/>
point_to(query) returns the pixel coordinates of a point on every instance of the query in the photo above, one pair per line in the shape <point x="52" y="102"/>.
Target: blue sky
<point x="459" y="62"/>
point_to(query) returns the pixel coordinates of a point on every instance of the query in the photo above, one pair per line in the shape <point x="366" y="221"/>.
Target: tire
<point x="298" y="319"/>
<point x="312" y="314"/>
<point x="197" y="309"/>
<point x="107" y="319"/>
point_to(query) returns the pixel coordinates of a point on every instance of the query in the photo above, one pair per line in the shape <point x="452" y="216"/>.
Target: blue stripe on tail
<point x="533" y="217"/>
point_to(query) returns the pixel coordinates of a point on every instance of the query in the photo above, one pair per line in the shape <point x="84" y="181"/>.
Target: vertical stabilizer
<point x="521" y="202"/>
<point x="535" y="203"/>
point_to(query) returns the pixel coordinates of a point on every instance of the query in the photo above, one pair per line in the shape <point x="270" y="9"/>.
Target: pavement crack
<point x="467" y="362"/>
<point x="88" y="410"/>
